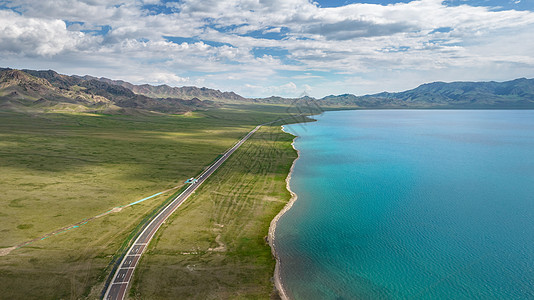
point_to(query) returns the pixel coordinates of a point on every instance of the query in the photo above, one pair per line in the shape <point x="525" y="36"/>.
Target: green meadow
<point x="59" y="169"/>
<point x="214" y="246"/>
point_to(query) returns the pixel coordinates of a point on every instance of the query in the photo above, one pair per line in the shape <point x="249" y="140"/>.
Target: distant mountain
<point x="29" y="90"/>
<point x="518" y="93"/>
<point x="186" y="92"/>
<point x="49" y="91"/>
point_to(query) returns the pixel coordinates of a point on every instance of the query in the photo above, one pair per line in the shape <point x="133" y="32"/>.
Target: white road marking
<point x="172" y="206"/>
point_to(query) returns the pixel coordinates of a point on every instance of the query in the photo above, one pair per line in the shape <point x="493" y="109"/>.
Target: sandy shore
<point x="277" y="280"/>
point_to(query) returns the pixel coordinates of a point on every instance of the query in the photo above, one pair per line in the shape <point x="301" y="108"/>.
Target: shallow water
<point x="400" y="204"/>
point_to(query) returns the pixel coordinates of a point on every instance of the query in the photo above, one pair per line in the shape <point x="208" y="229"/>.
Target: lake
<point x="411" y="204"/>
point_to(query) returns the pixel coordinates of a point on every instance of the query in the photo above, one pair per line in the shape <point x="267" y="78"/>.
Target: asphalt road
<point x="121" y="279"/>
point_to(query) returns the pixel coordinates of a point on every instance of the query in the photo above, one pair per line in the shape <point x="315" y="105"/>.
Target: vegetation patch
<point x="59" y="169"/>
<point x="24" y="226"/>
<point x="214" y="246"/>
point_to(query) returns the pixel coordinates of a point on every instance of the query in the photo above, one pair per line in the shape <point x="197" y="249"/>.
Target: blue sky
<point x="260" y="48"/>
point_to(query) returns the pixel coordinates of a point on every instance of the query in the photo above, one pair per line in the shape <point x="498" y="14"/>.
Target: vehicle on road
<point x="191" y="180"/>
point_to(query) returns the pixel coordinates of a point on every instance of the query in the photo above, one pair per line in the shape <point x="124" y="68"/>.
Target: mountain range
<point x="165" y="91"/>
<point x="518" y="93"/>
<point x="30" y="90"/>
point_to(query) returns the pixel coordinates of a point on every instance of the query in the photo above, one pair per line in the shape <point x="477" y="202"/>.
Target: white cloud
<point x="159" y="77"/>
<point x="407" y="43"/>
<point x="38" y="37"/>
<point x="289" y="89"/>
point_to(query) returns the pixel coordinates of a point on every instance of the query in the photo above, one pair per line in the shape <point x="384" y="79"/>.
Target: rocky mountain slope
<point x="50" y="91"/>
<point x="29" y="90"/>
<point x="185" y="92"/>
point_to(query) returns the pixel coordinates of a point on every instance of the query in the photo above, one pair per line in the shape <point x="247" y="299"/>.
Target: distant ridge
<point x="51" y="91"/>
<point x="30" y="90"/>
<point x="165" y="91"/>
<point x="518" y="93"/>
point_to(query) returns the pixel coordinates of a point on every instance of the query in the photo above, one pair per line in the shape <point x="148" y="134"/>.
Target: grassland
<point x="58" y="169"/>
<point x="214" y="246"/>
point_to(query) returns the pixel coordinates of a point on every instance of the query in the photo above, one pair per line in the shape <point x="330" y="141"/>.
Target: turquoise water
<point x="399" y="204"/>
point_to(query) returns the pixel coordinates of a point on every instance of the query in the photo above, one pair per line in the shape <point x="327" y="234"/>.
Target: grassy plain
<point x="214" y="246"/>
<point x="58" y="169"/>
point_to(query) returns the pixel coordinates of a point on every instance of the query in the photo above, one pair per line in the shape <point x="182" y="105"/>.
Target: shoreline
<point x="272" y="228"/>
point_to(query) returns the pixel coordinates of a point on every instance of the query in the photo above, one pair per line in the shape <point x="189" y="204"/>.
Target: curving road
<point x="121" y="279"/>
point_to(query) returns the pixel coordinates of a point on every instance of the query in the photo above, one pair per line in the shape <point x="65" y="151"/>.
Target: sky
<point x="259" y="48"/>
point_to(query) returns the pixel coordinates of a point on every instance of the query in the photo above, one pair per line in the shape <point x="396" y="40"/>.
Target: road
<point x="121" y="279"/>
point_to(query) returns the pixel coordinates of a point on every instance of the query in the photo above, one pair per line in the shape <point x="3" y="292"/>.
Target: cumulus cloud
<point x="422" y="38"/>
<point x="159" y="77"/>
<point x="38" y="37"/>
<point x="289" y="89"/>
<point x="350" y="29"/>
